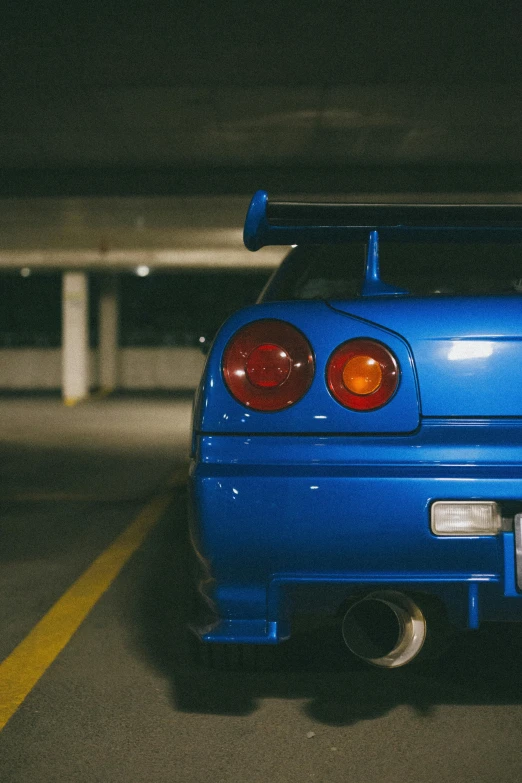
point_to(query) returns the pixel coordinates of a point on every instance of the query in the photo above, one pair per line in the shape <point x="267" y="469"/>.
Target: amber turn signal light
<point x="362" y="374"/>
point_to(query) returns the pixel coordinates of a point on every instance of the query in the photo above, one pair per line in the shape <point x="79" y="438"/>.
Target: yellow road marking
<point x="99" y="394"/>
<point x="22" y="669"/>
<point x="70" y="402"/>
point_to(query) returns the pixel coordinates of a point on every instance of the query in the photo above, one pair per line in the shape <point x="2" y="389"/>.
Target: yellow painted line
<point x="70" y="402"/>
<point x="100" y="394"/>
<point x="22" y="669"/>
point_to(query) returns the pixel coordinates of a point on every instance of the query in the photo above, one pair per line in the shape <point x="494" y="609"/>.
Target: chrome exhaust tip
<point x="385" y="628"/>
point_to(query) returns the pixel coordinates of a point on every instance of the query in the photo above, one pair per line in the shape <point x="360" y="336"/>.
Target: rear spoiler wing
<point x="291" y="223"/>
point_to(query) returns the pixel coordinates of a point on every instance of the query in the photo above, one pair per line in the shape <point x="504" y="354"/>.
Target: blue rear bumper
<point x="288" y="524"/>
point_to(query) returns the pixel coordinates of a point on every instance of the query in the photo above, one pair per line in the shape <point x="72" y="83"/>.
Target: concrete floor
<point x="123" y="701"/>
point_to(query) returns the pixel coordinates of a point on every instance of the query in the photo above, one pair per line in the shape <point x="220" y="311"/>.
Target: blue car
<point x="357" y="444"/>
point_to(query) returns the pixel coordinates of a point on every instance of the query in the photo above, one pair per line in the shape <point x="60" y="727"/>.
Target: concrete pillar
<point x="75" y="337"/>
<point x="108" y="317"/>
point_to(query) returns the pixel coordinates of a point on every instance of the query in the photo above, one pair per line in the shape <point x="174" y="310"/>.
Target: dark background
<point x="144" y="99"/>
<point x="131" y="98"/>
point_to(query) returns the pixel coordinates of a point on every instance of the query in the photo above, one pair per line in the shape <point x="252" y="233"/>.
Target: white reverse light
<point x="466" y="518"/>
<point x="142" y="270"/>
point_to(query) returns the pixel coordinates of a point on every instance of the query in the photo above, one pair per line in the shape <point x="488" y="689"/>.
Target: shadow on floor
<point x="481" y="667"/>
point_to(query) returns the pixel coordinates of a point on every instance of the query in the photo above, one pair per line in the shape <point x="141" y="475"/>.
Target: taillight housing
<point x="268" y="365"/>
<point x="362" y="374"/>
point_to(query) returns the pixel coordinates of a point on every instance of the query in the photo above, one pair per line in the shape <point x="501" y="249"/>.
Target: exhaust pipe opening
<point x="385" y="628"/>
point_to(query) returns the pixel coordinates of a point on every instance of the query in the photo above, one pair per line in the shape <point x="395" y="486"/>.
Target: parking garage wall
<point x="165" y="318"/>
<point x="139" y="368"/>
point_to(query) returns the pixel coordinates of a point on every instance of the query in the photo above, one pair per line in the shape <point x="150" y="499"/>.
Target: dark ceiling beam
<point x="166" y="181"/>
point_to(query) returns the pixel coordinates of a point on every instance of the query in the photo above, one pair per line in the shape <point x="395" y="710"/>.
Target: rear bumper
<point x="290" y="524"/>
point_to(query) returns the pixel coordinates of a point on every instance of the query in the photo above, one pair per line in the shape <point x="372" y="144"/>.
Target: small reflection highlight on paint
<point x="470" y="349"/>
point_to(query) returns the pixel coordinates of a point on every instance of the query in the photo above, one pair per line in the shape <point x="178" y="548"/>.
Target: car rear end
<point x="361" y="453"/>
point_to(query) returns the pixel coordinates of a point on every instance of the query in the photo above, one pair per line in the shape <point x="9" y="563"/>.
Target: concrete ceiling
<point x="204" y="103"/>
<point x="121" y="233"/>
<point x="376" y="124"/>
<point x="184" y="85"/>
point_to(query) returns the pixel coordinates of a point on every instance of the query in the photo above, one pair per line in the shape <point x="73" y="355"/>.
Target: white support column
<point x="108" y="317"/>
<point x="75" y="337"/>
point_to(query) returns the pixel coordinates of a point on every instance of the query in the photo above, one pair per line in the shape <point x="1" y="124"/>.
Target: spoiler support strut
<point x="291" y="223"/>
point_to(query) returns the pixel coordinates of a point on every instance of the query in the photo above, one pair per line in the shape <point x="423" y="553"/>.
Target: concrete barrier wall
<point x="139" y="368"/>
<point x="160" y="368"/>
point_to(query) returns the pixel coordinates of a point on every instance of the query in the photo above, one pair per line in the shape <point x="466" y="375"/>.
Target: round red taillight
<point x="268" y="365"/>
<point x="362" y="374"/>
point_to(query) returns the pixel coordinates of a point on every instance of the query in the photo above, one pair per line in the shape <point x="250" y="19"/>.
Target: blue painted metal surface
<point x="343" y="512"/>
<point x="467" y="350"/>
<point x="298" y="508"/>
<point x="373" y="285"/>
